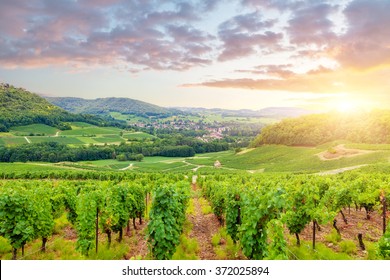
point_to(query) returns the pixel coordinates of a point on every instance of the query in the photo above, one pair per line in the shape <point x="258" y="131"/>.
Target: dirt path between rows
<point x="204" y="227"/>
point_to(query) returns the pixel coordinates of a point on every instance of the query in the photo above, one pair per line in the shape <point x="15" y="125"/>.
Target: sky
<point x="233" y="54"/>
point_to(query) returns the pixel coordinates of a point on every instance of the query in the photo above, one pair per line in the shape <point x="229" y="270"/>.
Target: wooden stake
<point x="314" y="234"/>
<point x="97" y="229"/>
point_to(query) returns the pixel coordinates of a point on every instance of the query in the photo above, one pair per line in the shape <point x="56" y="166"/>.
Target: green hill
<point x="311" y="130"/>
<point x="19" y="107"/>
<point x="105" y="106"/>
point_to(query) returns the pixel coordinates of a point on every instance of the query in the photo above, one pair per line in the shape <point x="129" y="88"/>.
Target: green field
<point x="60" y="139"/>
<point x="106" y="164"/>
<point x="267" y="158"/>
<point x="81" y="134"/>
<point x="18" y="167"/>
<point x="33" y="129"/>
<point x="108" y="139"/>
<point x="129" y="118"/>
<point x="275" y="158"/>
<point x="78" y="131"/>
<point x="17" y="140"/>
<point x="270" y="158"/>
<point x="137" y="136"/>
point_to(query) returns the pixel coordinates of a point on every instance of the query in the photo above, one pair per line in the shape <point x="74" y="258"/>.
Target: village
<point x="211" y="130"/>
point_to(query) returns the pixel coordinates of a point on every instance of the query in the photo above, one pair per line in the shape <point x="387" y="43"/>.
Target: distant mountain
<point x="269" y="112"/>
<point x="21" y="107"/>
<point x="106" y="105"/>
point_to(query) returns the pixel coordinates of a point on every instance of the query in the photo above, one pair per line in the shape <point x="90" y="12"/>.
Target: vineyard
<point x="184" y="216"/>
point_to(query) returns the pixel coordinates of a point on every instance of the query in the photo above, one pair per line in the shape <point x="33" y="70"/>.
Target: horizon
<point x="242" y="54"/>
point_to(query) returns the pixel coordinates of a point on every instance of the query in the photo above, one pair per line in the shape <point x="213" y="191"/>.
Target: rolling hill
<point x="104" y="106"/>
<point x="19" y="107"/>
<point x="312" y="130"/>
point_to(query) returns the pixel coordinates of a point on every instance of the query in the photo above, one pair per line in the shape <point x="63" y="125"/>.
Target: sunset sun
<point x="346" y="106"/>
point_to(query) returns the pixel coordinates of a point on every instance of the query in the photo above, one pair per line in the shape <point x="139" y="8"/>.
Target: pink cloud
<point x="246" y="34"/>
<point x="367" y="42"/>
<point x="101" y="31"/>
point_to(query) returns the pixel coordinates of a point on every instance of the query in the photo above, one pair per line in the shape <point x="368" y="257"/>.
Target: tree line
<point x="311" y="130"/>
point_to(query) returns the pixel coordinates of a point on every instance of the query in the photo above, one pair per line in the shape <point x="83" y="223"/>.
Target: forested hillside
<point x="21" y="107"/>
<point x="107" y="105"/>
<point x="311" y="130"/>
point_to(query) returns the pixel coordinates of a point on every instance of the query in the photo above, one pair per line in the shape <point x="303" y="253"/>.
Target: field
<point x="137" y="136"/>
<point x="268" y="158"/>
<point x="81" y="134"/>
<point x="272" y="158"/>
<point x="41" y="129"/>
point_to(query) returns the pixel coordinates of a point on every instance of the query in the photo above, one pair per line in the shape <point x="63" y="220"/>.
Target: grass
<point x="348" y="247"/>
<point x="18" y="167"/>
<point x="205" y="206"/>
<point x="33" y="128"/>
<point x="94" y="130"/>
<point x="108" y="139"/>
<point x="267" y="158"/>
<point x="81" y="134"/>
<point x="61" y="140"/>
<point x="188" y="248"/>
<point x="130" y="118"/>
<point x="278" y="158"/>
<point x="137" y="136"/>
<point x="368" y="146"/>
<point x="17" y="140"/>
<point x="5" y="247"/>
<point x="224" y="247"/>
<point x="305" y="252"/>
<point x="106" y="164"/>
<point x="333" y="237"/>
<point x="60" y="224"/>
<point x="191" y="208"/>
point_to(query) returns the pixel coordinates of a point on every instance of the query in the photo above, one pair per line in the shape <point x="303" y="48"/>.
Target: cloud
<point x="295" y="83"/>
<point x="153" y="34"/>
<point x="170" y="35"/>
<point x="274" y="4"/>
<point x="246" y="34"/>
<point x="366" y="43"/>
<point x="373" y="85"/>
<point x="311" y="24"/>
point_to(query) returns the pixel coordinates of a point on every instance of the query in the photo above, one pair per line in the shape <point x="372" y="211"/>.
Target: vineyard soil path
<point x="204" y="227"/>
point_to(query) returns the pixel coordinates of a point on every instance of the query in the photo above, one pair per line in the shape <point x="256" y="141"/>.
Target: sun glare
<point x="345" y="106"/>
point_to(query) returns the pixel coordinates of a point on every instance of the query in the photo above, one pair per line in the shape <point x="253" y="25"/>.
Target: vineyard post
<point x="384" y="211"/>
<point x="314" y="234"/>
<point x="14" y="252"/>
<point x="146" y="204"/>
<point x="97" y="228"/>
<point x="361" y="244"/>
